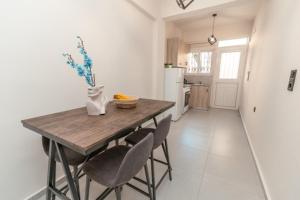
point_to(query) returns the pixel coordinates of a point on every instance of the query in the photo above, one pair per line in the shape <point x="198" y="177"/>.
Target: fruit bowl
<point x="131" y="102"/>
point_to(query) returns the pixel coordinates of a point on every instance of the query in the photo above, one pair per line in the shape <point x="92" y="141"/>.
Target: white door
<point x="228" y="78"/>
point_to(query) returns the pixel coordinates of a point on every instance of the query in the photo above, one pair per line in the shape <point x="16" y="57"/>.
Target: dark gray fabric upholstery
<point x="123" y="133"/>
<point x="118" y="165"/>
<point x="137" y="136"/>
<point x="74" y="158"/>
<point x="160" y="133"/>
<point x="104" y="167"/>
<point x="134" y="160"/>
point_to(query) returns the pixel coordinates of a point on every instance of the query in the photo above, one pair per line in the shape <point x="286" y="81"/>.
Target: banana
<point x="121" y="96"/>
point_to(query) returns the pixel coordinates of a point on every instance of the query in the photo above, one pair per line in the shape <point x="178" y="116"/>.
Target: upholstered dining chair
<point x="160" y="139"/>
<point x="122" y="134"/>
<point x="74" y="159"/>
<point x="117" y="166"/>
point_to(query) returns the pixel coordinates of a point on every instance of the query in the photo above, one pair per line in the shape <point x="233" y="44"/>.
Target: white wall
<point x="224" y="32"/>
<point x="35" y="79"/>
<point x="274" y="128"/>
<point x="152" y="7"/>
<point x="159" y="58"/>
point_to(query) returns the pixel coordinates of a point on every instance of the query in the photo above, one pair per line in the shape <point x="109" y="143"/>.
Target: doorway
<point x="228" y="77"/>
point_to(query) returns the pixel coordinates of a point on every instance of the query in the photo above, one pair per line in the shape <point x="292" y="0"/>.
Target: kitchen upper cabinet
<point x="176" y="52"/>
<point x="199" y="97"/>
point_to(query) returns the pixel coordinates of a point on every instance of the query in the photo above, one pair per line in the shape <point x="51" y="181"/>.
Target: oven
<point x="187" y="96"/>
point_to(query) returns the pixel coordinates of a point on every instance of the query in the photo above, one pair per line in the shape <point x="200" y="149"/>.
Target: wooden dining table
<point x="85" y="134"/>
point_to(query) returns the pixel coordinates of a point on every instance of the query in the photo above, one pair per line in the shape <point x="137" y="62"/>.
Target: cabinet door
<point x="199" y="97"/>
<point x="194" y="97"/>
<point x="203" y="96"/>
<point x="172" y="51"/>
<point x="182" y="54"/>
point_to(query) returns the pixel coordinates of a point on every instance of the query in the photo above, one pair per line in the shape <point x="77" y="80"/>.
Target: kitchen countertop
<point x="195" y="84"/>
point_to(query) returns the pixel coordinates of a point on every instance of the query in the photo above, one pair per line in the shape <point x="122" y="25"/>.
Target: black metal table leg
<point x="54" y="178"/>
<point x="69" y="178"/>
<point x="155" y="122"/>
<point x="87" y="188"/>
<point x="51" y="163"/>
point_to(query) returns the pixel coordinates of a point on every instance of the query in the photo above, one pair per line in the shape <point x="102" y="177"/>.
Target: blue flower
<point x="82" y="51"/>
<point x="88" y="63"/>
<point x="89" y="80"/>
<point x="85" y="69"/>
<point x="80" y="71"/>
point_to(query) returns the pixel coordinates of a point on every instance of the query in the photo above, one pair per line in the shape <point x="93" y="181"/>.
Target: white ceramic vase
<point x="97" y="102"/>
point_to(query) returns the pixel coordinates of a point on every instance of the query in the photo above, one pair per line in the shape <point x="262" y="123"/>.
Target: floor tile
<point x="238" y="171"/>
<point x="210" y="157"/>
<point x="215" y="188"/>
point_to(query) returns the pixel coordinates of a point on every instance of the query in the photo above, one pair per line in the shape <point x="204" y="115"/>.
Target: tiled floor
<point x="211" y="160"/>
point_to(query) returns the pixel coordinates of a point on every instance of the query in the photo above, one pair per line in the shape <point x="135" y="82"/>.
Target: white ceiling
<point x="244" y="12"/>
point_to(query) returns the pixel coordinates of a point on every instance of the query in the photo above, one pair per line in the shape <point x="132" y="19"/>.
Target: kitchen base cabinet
<point x="199" y="97"/>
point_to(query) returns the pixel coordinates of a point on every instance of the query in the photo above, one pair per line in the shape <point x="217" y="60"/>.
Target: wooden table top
<point x="85" y="134"/>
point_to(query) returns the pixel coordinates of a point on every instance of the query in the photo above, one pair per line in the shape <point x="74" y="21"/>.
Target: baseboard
<point x="257" y="164"/>
<point x="42" y="192"/>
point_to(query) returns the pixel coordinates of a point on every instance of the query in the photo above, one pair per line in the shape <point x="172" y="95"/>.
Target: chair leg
<point x="87" y="188"/>
<point x="168" y="160"/>
<point x="153" y="177"/>
<point x="148" y="181"/>
<point x="118" y="193"/>
<point x="164" y="150"/>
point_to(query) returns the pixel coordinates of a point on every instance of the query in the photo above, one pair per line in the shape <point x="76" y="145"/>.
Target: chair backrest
<point x="46" y="144"/>
<point x="134" y="160"/>
<point x="73" y="157"/>
<point x="162" y="131"/>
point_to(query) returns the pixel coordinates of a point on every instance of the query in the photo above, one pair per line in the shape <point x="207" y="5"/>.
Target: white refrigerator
<point x="174" y="78"/>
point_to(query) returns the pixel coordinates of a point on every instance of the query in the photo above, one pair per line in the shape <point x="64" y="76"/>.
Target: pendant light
<point x="212" y="39"/>
<point x="184" y="3"/>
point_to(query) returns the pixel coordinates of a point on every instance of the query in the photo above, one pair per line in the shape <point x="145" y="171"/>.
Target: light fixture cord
<point x="213" y="27"/>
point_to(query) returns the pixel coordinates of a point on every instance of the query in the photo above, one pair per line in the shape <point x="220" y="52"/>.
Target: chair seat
<point x="104" y="167"/>
<point x="137" y="136"/>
